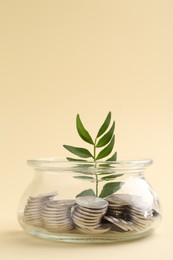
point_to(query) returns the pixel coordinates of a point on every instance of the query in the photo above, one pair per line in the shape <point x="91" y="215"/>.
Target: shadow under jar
<point x="89" y="201"/>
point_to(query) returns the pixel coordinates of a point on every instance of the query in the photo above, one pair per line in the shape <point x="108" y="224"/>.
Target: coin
<point x="91" y="202"/>
<point x="129" y="212"/>
<point x="44" y="196"/>
<point x="57" y="215"/>
<point x="88" y="214"/>
<point x="34" y="207"/>
<point x="93" y="211"/>
<point x="93" y="231"/>
<point x="61" y="204"/>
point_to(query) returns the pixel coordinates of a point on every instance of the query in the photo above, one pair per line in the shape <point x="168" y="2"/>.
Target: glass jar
<point x="89" y="201"/>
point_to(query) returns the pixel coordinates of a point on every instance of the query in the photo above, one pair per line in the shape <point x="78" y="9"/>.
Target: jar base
<point x="83" y="238"/>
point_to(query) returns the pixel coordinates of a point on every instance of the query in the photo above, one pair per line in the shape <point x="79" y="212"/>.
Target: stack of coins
<point x="57" y="215"/>
<point x="34" y="207"/>
<point x="128" y="213"/>
<point x="88" y="214"/>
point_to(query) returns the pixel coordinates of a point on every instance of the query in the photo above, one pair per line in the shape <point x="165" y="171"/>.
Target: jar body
<point x="89" y="202"/>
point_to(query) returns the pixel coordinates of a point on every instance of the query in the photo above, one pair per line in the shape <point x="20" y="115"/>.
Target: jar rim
<point x="59" y="162"/>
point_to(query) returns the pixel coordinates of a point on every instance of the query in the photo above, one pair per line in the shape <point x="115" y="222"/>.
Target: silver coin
<point x="40" y="196"/>
<point x="34" y="223"/>
<point x="86" y="216"/>
<point x="61" y="203"/>
<point x="29" y="202"/>
<point x="140" y="216"/>
<point x="33" y="220"/>
<point x="33" y="207"/>
<point x="141" y="210"/>
<point x="38" y="204"/>
<point x="122" y="198"/>
<point x="63" y="227"/>
<point x="93" y="211"/>
<point x="67" y="223"/>
<point x="91" y="202"/>
<point x="32" y="210"/>
<point x="85" y="221"/>
<point x="86" y="225"/>
<point x="57" y="230"/>
<point x="89" y="214"/>
<point x="120" y="208"/>
<point x="32" y="213"/>
<point x="39" y="210"/>
<point x="33" y="216"/>
<point x="117" y="223"/>
<point x="58" y="222"/>
<point x="93" y="231"/>
<point x="55" y="217"/>
<point x="80" y="212"/>
<point x="38" y="223"/>
<point x="126" y="199"/>
<point x="50" y="216"/>
<point x="129" y="212"/>
<point x="139" y="225"/>
<point x="59" y="225"/>
<point x="66" y="218"/>
<point x="38" y="200"/>
<point x="56" y="212"/>
<point x="53" y="225"/>
<point x="47" y="210"/>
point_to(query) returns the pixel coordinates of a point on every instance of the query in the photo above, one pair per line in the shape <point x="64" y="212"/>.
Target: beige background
<point x="60" y="58"/>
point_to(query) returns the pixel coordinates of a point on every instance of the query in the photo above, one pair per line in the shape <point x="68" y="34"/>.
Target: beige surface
<point x="60" y="58"/>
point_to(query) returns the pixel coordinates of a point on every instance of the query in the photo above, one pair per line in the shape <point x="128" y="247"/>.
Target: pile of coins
<point x="34" y="207"/>
<point x="128" y="213"/>
<point x="57" y="215"/>
<point x="88" y="214"/>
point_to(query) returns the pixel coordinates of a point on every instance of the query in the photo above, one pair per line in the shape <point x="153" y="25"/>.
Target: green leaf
<point x="84" y="165"/>
<point x="84" y="193"/>
<point x="111" y="177"/>
<point x="107" y="137"/>
<point x="107" y="150"/>
<point x="113" y="157"/>
<point x="84" y="178"/>
<point x="75" y="160"/>
<point x="106" y="173"/>
<point x="82" y="131"/>
<point x="82" y="171"/>
<point x="105" y="125"/>
<point x="110" y="188"/>
<point x="81" y="152"/>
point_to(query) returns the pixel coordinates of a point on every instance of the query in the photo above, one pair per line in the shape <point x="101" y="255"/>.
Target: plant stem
<point x="96" y="176"/>
<point x="95" y="149"/>
<point x="97" y="184"/>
